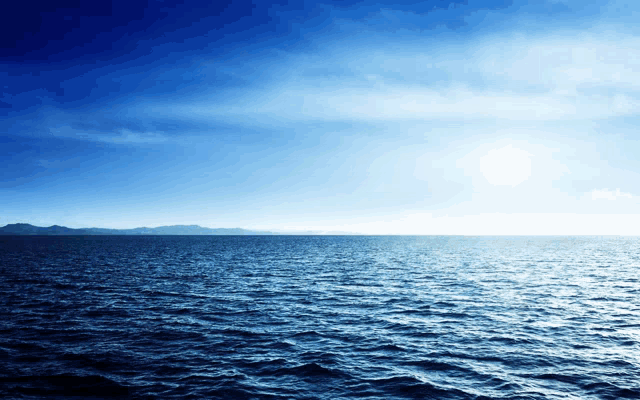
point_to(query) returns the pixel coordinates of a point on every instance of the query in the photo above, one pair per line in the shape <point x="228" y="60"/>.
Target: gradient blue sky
<point x="432" y="117"/>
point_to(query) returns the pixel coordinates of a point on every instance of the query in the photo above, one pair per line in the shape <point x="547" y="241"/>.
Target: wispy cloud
<point x="564" y="76"/>
<point x="51" y="164"/>
<point x="122" y="136"/>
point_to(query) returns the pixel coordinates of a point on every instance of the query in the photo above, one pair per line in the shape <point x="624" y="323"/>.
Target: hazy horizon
<point x="451" y="232"/>
<point x="486" y="117"/>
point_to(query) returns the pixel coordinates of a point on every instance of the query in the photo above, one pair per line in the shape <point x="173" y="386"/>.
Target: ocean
<point x="319" y="317"/>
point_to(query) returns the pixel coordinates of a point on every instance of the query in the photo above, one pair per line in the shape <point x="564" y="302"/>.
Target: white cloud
<point x="402" y="103"/>
<point x="123" y="136"/>
<point x="565" y="63"/>
<point x="561" y="76"/>
<point x="606" y="194"/>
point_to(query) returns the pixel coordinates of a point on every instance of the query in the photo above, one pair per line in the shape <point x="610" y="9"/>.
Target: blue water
<point x="288" y="317"/>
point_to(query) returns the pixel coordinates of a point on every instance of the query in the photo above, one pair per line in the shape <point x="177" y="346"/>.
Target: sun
<point x="506" y="166"/>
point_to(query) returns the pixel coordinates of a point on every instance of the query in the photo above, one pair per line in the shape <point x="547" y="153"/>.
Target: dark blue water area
<point x="295" y="317"/>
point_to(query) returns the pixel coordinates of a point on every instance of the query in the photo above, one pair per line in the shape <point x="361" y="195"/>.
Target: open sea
<point x="319" y="317"/>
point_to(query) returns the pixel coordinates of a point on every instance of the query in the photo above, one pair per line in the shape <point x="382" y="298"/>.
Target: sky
<point x="487" y="117"/>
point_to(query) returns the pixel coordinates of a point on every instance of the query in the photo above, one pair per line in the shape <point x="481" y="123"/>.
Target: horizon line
<point x="311" y="232"/>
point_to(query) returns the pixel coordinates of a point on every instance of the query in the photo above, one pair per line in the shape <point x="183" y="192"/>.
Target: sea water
<point x="314" y="317"/>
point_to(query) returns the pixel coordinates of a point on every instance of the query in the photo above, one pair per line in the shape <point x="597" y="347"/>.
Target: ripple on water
<point x="319" y="317"/>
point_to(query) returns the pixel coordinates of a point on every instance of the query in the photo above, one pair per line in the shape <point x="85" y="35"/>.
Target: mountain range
<point x="28" y="229"/>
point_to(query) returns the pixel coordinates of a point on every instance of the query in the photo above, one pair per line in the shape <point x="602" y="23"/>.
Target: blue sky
<point x="433" y="117"/>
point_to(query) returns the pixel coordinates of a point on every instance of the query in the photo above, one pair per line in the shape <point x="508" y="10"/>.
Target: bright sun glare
<point x="506" y="166"/>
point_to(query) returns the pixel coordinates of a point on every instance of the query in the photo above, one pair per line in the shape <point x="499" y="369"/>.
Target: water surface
<point x="287" y="317"/>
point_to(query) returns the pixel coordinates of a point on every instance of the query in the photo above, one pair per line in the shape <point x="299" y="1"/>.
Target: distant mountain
<point x="176" y="230"/>
<point x="28" y="229"/>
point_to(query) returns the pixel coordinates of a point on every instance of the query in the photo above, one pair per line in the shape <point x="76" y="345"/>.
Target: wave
<point x="317" y="318"/>
<point x="65" y="385"/>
